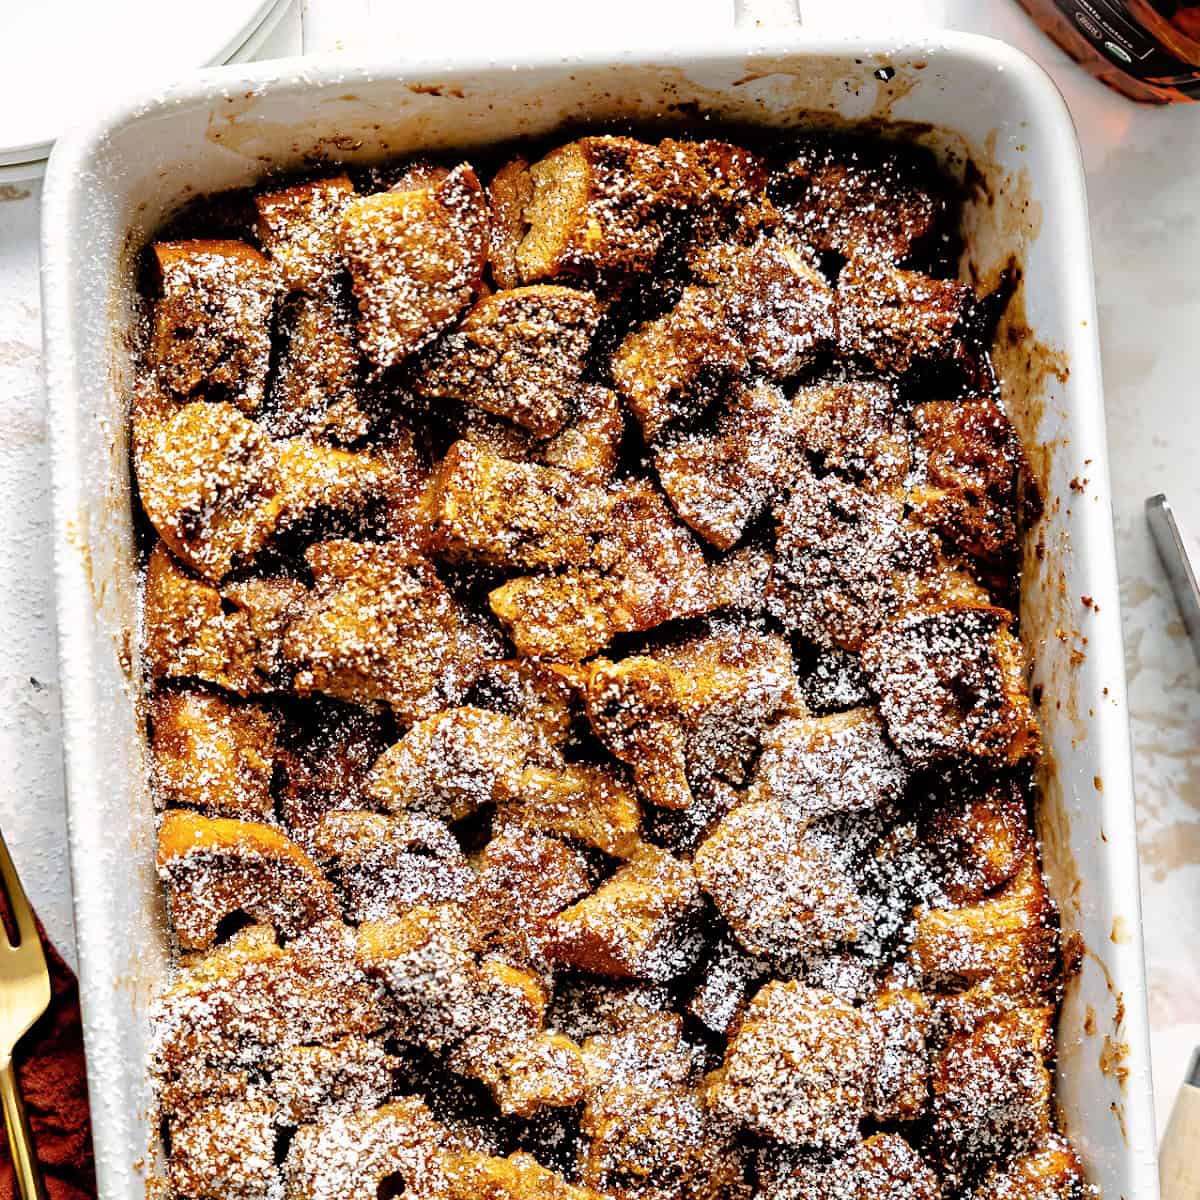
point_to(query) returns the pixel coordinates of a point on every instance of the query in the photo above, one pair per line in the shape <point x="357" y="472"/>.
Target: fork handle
<point x="20" y="1138"/>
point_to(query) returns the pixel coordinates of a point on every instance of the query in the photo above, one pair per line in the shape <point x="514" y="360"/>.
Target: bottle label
<point x="1120" y="38"/>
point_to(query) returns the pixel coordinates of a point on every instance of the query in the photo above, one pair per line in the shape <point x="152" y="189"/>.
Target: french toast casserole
<point x="584" y="699"/>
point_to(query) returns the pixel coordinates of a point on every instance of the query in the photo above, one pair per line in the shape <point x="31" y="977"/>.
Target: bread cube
<point x="640" y="924"/>
<point x="658" y="1143"/>
<point x="474" y="1176"/>
<point x="589" y="443"/>
<point x="797" y="1069"/>
<point x="951" y="685"/>
<point x="537" y="1073"/>
<point x="895" y="319"/>
<point x="671" y="368"/>
<point x="729" y="979"/>
<point x="646" y="570"/>
<point x="816" y="766"/>
<point x="722" y="479"/>
<point x="509" y="195"/>
<point x="209" y="481"/>
<point x="520" y="516"/>
<point x="266" y="999"/>
<point x="981" y="837"/>
<point x="214" y="867"/>
<point x="781" y="894"/>
<point x="590" y="212"/>
<point x="213" y="754"/>
<point x="384" y="865"/>
<point x="775" y="300"/>
<point x="298" y="229"/>
<point x="354" y="1073"/>
<point x="899" y="1086"/>
<point x="362" y="1154"/>
<point x="415" y="257"/>
<point x="517" y="353"/>
<point x="230" y="638"/>
<point x="524" y="880"/>
<point x="544" y="699"/>
<point x="328" y="749"/>
<point x="992" y="1091"/>
<point x="1009" y="939"/>
<point x="839" y="550"/>
<point x="224" y="1150"/>
<point x="881" y="1167"/>
<point x="1050" y="1172"/>
<point x="855" y="428"/>
<point x="212" y="320"/>
<point x="590" y="805"/>
<point x="858" y="198"/>
<point x="382" y="626"/>
<point x="317" y="388"/>
<point x="649" y="1050"/>
<point x="973" y="465"/>
<point x="692" y="709"/>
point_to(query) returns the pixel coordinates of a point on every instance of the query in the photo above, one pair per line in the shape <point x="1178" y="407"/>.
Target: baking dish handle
<point x="766" y="14"/>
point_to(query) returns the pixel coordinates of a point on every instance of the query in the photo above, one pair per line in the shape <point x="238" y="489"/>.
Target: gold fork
<point x="24" y="996"/>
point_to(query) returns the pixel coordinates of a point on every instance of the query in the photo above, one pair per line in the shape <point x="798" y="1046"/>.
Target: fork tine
<point x="18" y="903"/>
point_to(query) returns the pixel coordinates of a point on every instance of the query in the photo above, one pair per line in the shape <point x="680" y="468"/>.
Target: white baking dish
<point x="111" y="183"/>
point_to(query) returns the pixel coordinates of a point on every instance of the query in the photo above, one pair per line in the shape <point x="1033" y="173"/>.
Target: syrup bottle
<point x="1148" y="49"/>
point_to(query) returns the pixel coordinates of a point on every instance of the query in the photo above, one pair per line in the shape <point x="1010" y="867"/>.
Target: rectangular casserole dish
<point x="993" y="118"/>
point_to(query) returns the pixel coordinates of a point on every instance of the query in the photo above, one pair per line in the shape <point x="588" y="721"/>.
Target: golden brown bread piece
<point x="981" y="836"/>
<point x="973" y="464"/>
<point x="779" y="891"/>
<point x="893" y="319"/>
<point x="839" y="556"/>
<point x="861" y="198"/>
<point x="231" y="638"/>
<point x="543" y="697"/>
<point x="517" y="353"/>
<point x="991" y="1091"/>
<point x="1009" y="939"/>
<point x="899" y="1086"/>
<point x="524" y="880"/>
<point x="951" y="684"/>
<point x="691" y="708"/>
<point x="209" y="481"/>
<point x="345" y="1076"/>
<point x="646" y="569"/>
<point x="589" y="213"/>
<point x="730" y="977"/>
<point x="588" y="444"/>
<point x="356" y="1156"/>
<point x="452" y="763"/>
<point x="720" y="479"/>
<point x="521" y="516"/>
<point x="814" y="766"/>
<point x="586" y="804"/>
<point x="415" y="259"/>
<point x="384" y="864"/>
<point x="797" y="1069"/>
<point x="474" y="1176"/>
<point x="855" y="428"/>
<point x="881" y="1167"/>
<point x="1050" y="1172"/>
<point x="297" y="227"/>
<point x="674" y="366"/>
<point x="216" y="866"/>
<point x="265" y="998"/>
<point x="774" y="300"/>
<point x="509" y="194"/>
<point x="214" y="754"/>
<point x="382" y="626"/>
<point x="212" y="320"/>
<point x="226" y="1149"/>
<point x="639" y="924"/>
<point x="317" y="387"/>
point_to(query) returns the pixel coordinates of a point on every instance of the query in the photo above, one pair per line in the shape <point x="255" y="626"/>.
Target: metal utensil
<point x="1176" y="559"/>
<point x="24" y="996"/>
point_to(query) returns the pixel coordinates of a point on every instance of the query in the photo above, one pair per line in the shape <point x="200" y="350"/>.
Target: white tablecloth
<point x="1144" y="180"/>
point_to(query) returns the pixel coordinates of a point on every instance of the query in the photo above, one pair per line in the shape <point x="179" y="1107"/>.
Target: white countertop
<point x="1143" y="168"/>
